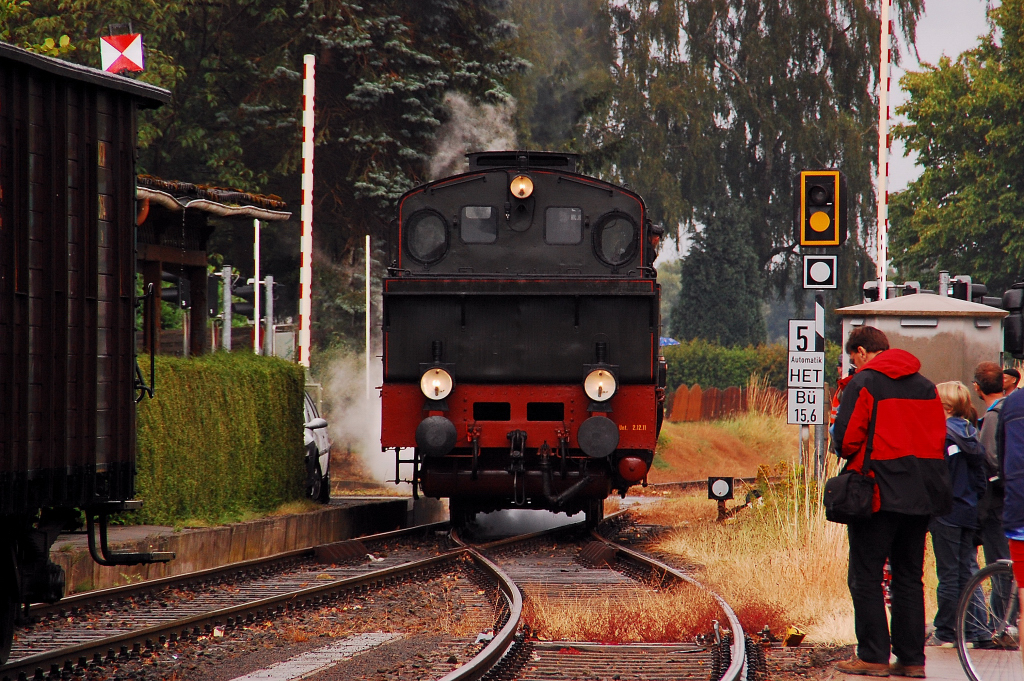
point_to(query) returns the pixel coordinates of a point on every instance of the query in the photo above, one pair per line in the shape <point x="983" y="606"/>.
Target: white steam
<point x="470" y="128"/>
<point x="355" y="419"/>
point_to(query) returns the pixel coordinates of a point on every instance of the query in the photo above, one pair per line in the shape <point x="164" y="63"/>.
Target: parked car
<point x="318" y="453"/>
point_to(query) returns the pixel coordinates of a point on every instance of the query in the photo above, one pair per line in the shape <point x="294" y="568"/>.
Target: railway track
<point x="85" y="633"/>
<point x="554" y="572"/>
<point x="114" y="624"/>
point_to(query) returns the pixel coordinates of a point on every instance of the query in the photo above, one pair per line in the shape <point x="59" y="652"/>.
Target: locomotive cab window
<point x="563" y="225"/>
<point x="426" y="236"/>
<point x="615" y="239"/>
<point x="478" y="225"/>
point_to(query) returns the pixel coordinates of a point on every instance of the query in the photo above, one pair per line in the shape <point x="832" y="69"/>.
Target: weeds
<point x="669" y="616"/>
<point x="777" y="563"/>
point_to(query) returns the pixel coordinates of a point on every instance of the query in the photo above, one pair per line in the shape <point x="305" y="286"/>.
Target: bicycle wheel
<point x="987" y="639"/>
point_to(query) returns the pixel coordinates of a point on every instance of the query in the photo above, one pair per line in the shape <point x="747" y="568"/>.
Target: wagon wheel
<point x="9" y="600"/>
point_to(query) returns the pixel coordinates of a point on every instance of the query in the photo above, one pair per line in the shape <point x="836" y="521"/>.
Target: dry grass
<point x="643" y="617"/>
<point x="779" y="563"/>
<point x="762" y="400"/>
<point x="736" y="446"/>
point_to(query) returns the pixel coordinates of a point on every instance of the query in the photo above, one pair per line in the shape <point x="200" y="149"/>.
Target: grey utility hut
<point x="950" y="336"/>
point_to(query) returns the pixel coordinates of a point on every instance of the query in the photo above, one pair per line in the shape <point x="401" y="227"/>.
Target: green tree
<point x="965" y="213"/>
<point x="724" y="101"/>
<point x="234" y="69"/>
<point x="570" y="52"/>
<point x="721" y="293"/>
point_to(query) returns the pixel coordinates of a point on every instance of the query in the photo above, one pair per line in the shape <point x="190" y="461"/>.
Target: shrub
<point x="221" y="437"/>
<point x="715" y="366"/>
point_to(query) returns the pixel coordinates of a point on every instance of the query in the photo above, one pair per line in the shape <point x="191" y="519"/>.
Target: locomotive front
<point x="521" y="324"/>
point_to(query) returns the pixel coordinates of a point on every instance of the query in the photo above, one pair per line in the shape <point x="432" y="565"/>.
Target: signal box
<point x="820" y="208"/>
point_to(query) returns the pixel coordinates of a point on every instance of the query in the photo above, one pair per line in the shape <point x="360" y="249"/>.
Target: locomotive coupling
<point x="557" y="501"/>
<point x="436" y="436"/>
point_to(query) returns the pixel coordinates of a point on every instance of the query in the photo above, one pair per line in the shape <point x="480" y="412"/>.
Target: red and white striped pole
<point x="306" y="241"/>
<point x="882" y="238"/>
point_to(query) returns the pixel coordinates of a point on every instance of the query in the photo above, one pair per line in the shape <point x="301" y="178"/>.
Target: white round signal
<point x="436" y="384"/>
<point x="599" y="385"/>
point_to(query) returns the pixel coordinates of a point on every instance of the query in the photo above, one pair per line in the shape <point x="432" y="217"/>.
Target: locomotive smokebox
<point x="435" y="436"/>
<point x="598" y="436"/>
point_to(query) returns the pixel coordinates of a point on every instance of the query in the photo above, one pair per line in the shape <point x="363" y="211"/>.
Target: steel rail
<point x="93" y="598"/>
<point x="489" y="656"/>
<point x="520" y="538"/>
<point x="294" y="600"/>
<point x="493" y="652"/>
<point x="738" y="660"/>
<point x="305" y="597"/>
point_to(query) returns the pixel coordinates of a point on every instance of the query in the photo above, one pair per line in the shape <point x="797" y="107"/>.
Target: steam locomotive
<point x="68" y="376"/>
<point x="521" y="325"/>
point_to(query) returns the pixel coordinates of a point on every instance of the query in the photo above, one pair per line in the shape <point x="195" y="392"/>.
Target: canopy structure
<point x="174" y="224"/>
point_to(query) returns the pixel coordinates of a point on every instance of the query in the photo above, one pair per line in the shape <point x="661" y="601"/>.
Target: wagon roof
<point x="149" y="96"/>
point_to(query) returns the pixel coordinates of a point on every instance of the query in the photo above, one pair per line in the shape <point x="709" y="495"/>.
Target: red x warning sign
<point x="121" y="52"/>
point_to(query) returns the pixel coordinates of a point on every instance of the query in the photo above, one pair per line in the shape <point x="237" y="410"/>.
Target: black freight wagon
<point x="68" y="372"/>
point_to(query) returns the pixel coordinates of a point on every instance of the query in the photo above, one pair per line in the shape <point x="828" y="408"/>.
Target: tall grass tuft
<point x="221" y="438"/>
<point x="669" y="616"/>
<point x="781" y="555"/>
<point x="763" y="399"/>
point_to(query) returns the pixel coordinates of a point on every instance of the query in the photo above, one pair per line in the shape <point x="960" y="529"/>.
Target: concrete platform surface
<point x="209" y="547"/>
<point x="943" y="664"/>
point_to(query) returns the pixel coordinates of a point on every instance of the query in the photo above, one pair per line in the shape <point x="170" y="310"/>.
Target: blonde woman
<point x="956" y="556"/>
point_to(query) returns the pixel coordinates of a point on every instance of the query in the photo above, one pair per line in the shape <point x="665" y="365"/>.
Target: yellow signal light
<point x="820" y="208"/>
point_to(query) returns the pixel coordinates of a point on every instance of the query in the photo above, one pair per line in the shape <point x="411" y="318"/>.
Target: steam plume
<point x="470" y="128"/>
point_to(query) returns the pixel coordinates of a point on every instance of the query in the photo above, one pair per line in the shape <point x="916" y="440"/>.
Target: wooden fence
<point x="695" y="404"/>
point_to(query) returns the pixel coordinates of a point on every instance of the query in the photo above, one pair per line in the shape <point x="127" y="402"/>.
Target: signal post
<point x="820" y="226"/>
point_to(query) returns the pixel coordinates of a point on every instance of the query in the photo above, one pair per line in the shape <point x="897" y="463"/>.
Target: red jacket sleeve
<point x="852" y="421"/>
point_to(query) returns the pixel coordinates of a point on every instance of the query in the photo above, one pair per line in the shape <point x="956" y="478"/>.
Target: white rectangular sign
<point x="806" y="406"/>
<point x="806" y="370"/>
<point x="801" y="335"/>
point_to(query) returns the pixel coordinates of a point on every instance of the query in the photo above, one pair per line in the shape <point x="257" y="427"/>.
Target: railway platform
<point x="202" y="548"/>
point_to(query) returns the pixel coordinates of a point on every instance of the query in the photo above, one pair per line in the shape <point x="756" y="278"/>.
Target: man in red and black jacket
<point x="892" y="414"/>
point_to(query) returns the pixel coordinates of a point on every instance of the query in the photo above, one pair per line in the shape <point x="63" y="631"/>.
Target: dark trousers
<point x="993" y="538"/>
<point x="956" y="561"/>
<point x="899" y="538"/>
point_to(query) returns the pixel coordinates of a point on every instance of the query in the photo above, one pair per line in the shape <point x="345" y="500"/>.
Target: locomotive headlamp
<point x="599" y="385"/>
<point x="521" y="187"/>
<point x="436" y="384"/>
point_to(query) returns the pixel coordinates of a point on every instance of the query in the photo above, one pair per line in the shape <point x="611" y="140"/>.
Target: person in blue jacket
<point x="1010" y="449"/>
<point x="956" y="556"/>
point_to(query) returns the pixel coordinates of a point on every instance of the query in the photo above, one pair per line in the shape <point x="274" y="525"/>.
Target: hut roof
<point x="921" y="305"/>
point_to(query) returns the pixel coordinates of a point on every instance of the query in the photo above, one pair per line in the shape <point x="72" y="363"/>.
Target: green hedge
<point x="222" y="437"/>
<point x="714" y="366"/>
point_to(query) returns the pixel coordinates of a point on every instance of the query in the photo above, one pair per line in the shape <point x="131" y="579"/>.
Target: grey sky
<point x="948" y="27"/>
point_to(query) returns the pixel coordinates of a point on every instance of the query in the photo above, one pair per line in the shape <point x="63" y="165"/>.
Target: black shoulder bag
<point x="848" y="496"/>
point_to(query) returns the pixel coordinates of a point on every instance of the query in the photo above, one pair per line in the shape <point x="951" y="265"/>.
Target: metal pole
<point x="306" y="241"/>
<point x="225" y="337"/>
<point x="820" y="428"/>
<point x="268" y="337"/>
<point x="369" y="381"/>
<point x="882" y="246"/>
<point x="256" y="286"/>
<point x="186" y="326"/>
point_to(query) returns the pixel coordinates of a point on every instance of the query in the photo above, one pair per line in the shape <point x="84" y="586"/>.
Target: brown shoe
<point x="862" y="668"/>
<point x="911" y="671"/>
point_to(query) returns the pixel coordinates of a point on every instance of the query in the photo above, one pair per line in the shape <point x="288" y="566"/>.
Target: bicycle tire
<point x="988" y="610"/>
